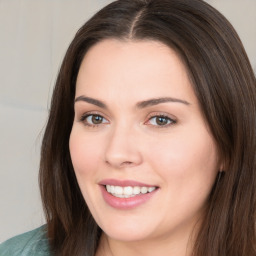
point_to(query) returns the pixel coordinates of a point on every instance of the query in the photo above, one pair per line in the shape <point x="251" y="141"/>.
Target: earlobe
<point x="222" y="169"/>
<point x="222" y="166"/>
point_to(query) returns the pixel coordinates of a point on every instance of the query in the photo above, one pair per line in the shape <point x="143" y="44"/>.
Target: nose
<point x="122" y="148"/>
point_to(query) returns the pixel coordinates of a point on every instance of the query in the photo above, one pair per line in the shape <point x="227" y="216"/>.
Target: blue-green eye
<point x="160" y="120"/>
<point x="93" y="119"/>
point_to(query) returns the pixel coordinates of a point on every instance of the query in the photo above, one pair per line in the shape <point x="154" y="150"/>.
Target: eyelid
<point x="93" y="112"/>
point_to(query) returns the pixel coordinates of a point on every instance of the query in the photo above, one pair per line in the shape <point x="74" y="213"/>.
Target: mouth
<point x="126" y="194"/>
<point x="128" y="191"/>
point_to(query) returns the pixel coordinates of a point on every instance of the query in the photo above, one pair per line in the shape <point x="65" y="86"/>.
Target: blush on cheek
<point x="182" y="157"/>
<point x="76" y="153"/>
<point x="169" y="159"/>
<point x="84" y="155"/>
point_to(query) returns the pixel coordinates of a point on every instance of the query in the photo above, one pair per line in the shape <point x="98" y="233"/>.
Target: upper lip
<point x="124" y="183"/>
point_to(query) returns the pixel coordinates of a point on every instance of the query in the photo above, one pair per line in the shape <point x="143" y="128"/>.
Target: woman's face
<point x="139" y="133"/>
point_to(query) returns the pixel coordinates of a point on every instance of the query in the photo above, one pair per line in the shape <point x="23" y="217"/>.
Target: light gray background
<point x="34" y="35"/>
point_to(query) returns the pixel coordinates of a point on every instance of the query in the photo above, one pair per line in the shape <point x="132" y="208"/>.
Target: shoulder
<point x="31" y="243"/>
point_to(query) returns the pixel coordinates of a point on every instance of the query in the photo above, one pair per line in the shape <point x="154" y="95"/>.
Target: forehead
<point x="132" y="69"/>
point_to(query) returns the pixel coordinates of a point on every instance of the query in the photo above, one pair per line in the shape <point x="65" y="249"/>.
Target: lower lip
<point x="126" y="203"/>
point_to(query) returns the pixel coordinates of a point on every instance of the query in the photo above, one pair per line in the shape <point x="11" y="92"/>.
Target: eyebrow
<point x="141" y="104"/>
<point x="156" y="101"/>
<point x="91" y="101"/>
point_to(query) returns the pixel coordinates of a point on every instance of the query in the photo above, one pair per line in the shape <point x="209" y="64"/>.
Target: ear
<point x="221" y="169"/>
<point x="223" y="166"/>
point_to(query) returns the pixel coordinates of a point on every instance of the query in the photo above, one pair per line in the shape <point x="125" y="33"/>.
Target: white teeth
<point x="108" y="188"/>
<point x="136" y="190"/>
<point x="151" y="189"/>
<point x="143" y="190"/>
<point x="128" y="191"/>
<point x="118" y="190"/>
<point x="125" y="192"/>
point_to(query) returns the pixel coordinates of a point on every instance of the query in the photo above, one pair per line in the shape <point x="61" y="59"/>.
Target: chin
<point x="127" y="235"/>
<point x="128" y="231"/>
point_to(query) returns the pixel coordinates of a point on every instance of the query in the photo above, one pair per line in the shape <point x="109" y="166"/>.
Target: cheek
<point x="85" y="158"/>
<point x="188" y="169"/>
<point x="84" y="151"/>
<point x="184" y="160"/>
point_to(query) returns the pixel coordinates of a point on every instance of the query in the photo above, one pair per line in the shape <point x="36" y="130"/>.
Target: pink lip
<point x="125" y="203"/>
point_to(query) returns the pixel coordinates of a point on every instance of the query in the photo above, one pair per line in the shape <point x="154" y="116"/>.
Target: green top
<point x="32" y="243"/>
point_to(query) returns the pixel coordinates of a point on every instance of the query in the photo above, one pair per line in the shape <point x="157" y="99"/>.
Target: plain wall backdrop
<point x="34" y="35"/>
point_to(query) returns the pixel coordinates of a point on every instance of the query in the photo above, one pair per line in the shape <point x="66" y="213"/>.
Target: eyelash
<point x="170" y="121"/>
<point x="86" y="115"/>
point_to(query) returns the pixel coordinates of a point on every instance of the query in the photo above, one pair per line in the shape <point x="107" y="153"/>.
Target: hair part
<point x="225" y="86"/>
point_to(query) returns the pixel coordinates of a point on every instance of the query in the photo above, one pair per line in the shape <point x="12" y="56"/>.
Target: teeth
<point x="108" y="187"/>
<point x="118" y="190"/>
<point x="125" y="192"/>
<point x="143" y="190"/>
<point x="151" y="189"/>
<point x="136" y="190"/>
<point x="128" y="190"/>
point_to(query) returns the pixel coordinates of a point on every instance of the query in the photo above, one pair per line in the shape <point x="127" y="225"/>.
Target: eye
<point x="93" y="119"/>
<point x="160" y="120"/>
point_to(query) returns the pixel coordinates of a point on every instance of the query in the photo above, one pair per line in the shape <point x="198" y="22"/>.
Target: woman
<point x="150" y="143"/>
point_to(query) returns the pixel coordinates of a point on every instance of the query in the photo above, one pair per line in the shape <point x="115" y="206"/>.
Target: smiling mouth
<point x="128" y="191"/>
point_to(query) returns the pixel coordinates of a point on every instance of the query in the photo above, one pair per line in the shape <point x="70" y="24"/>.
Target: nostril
<point x="126" y="163"/>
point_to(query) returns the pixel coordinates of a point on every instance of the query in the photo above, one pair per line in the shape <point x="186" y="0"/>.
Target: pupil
<point x="161" y="120"/>
<point x="96" y="119"/>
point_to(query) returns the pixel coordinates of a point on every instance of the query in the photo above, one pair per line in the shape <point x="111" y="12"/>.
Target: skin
<point x="179" y="157"/>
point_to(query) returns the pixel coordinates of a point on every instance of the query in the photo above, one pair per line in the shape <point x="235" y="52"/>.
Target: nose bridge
<point x="122" y="149"/>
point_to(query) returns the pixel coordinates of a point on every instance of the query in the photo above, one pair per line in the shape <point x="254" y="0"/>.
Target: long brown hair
<point x="225" y="86"/>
